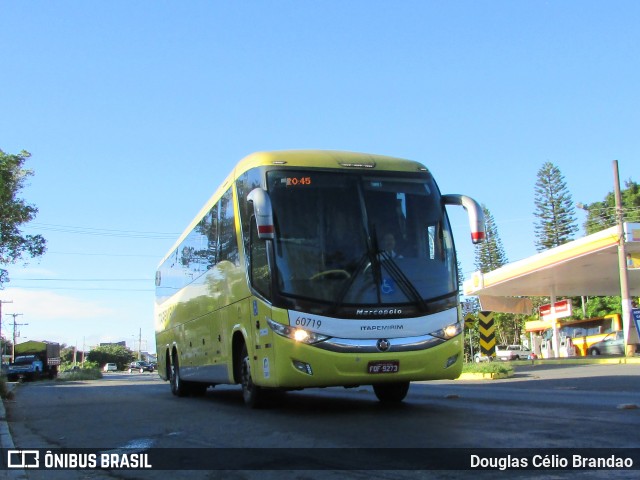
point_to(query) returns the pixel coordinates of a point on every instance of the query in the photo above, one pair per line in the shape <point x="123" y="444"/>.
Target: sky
<point x="134" y="113"/>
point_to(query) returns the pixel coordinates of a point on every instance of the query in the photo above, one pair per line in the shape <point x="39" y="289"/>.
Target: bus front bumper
<point x="300" y="365"/>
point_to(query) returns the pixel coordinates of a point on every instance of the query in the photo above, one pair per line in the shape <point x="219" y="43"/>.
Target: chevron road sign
<point x="487" y="328"/>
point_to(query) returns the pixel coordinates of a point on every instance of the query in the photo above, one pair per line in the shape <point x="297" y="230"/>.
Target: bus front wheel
<point x="391" y="392"/>
<point x="252" y="394"/>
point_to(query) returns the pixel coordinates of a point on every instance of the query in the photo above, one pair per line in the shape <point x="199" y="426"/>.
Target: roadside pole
<point x="555" y="339"/>
<point x="2" y="346"/>
<point x="622" y="265"/>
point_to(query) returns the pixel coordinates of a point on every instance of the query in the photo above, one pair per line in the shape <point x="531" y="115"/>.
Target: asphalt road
<point x="551" y="407"/>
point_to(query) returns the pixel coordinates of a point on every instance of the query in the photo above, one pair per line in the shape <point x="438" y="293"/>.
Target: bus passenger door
<point x="258" y="306"/>
<point x="261" y="338"/>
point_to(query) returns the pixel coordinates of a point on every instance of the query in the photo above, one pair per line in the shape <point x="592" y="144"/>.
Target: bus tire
<point x="178" y="387"/>
<point x="252" y="394"/>
<point x="391" y="392"/>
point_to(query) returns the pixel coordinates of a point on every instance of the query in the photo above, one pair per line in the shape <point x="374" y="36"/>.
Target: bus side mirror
<point x="263" y="212"/>
<point x="474" y="211"/>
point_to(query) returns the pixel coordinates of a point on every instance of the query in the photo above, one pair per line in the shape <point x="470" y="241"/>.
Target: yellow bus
<point x="314" y="269"/>
<point x="583" y="334"/>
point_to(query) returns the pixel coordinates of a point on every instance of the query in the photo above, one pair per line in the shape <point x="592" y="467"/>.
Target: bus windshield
<point x="353" y="239"/>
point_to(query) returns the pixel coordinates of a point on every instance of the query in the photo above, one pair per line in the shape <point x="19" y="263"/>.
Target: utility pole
<point x="2" y="346"/>
<point x="13" y="347"/>
<point x="629" y="349"/>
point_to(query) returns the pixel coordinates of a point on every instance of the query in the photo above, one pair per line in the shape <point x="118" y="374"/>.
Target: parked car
<point x="512" y="352"/>
<point x="612" y="344"/>
<point x="110" y="367"/>
<point x="141" y="367"/>
<point x="479" y="357"/>
<point x="505" y="352"/>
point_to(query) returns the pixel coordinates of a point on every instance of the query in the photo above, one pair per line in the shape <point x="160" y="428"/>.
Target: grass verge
<point x="488" y="367"/>
<point x="80" y="374"/>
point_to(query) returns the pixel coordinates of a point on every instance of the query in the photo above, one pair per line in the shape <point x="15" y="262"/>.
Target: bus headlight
<point x="297" y="334"/>
<point x="449" y="331"/>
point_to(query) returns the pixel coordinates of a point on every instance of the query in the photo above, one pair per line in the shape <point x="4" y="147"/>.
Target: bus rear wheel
<point x="252" y="394"/>
<point x="391" y="392"/>
<point x="178" y="387"/>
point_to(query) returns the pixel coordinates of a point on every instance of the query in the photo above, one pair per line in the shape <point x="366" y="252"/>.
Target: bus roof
<point x="327" y="159"/>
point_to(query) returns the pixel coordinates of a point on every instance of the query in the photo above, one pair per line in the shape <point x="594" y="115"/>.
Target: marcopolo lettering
<point x="379" y="311"/>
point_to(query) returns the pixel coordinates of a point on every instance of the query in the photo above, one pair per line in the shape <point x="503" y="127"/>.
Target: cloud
<point x="47" y="315"/>
<point x="47" y="305"/>
<point x="31" y="271"/>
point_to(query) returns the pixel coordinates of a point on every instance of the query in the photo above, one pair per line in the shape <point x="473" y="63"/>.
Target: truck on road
<point x="34" y="360"/>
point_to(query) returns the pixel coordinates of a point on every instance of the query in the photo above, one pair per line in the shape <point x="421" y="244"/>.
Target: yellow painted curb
<point x="484" y="376"/>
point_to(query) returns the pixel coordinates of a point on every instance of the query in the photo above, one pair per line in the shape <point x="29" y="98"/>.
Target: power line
<point x="85" y="289"/>
<point x="104" y="232"/>
<point x="104" y="254"/>
<point x="85" y="279"/>
<point x="608" y="209"/>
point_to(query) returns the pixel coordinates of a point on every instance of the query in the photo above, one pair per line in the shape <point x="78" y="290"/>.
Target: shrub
<point x="4" y="391"/>
<point x="80" y="374"/>
<point x="488" y="367"/>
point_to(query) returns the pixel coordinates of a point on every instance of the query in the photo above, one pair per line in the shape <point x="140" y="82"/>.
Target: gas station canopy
<point x="588" y="266"/>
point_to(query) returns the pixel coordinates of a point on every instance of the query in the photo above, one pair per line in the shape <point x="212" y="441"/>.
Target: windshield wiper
<point x="376" y="269"/>
<point x="395" y="271"/>
<point x="369" y="254"/>
<point x="347" y="286"/>
<point x="402" y="280"/>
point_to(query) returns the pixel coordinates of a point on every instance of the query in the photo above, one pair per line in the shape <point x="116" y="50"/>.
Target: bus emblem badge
<point x="383" y="344"/>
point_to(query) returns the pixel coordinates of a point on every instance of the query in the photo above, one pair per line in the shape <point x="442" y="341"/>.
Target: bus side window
<point x="245" y="184"/>
<point x="227" y="227"/>
<point x="260" y="274"/>
<point x="209" y="227"/>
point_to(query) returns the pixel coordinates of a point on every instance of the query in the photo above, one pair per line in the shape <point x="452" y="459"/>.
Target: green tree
<point x="14" y="212"/>
<point x="554" y="210"/>
<point x="117" y="354"/>
<point x="66" y="354"/>
<point x="602" y="215"/>
<point x="460" y="276"/>
<point x="601" y="306"/>
<point x="489" y="256"/>
<point x="490" y="253"/>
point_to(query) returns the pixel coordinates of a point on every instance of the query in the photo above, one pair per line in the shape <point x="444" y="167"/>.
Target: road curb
<point x="6" y="441"/>
<point x="582" y="361"/>
<point x="484" y="376"/>
<point x="553" y="361"/>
